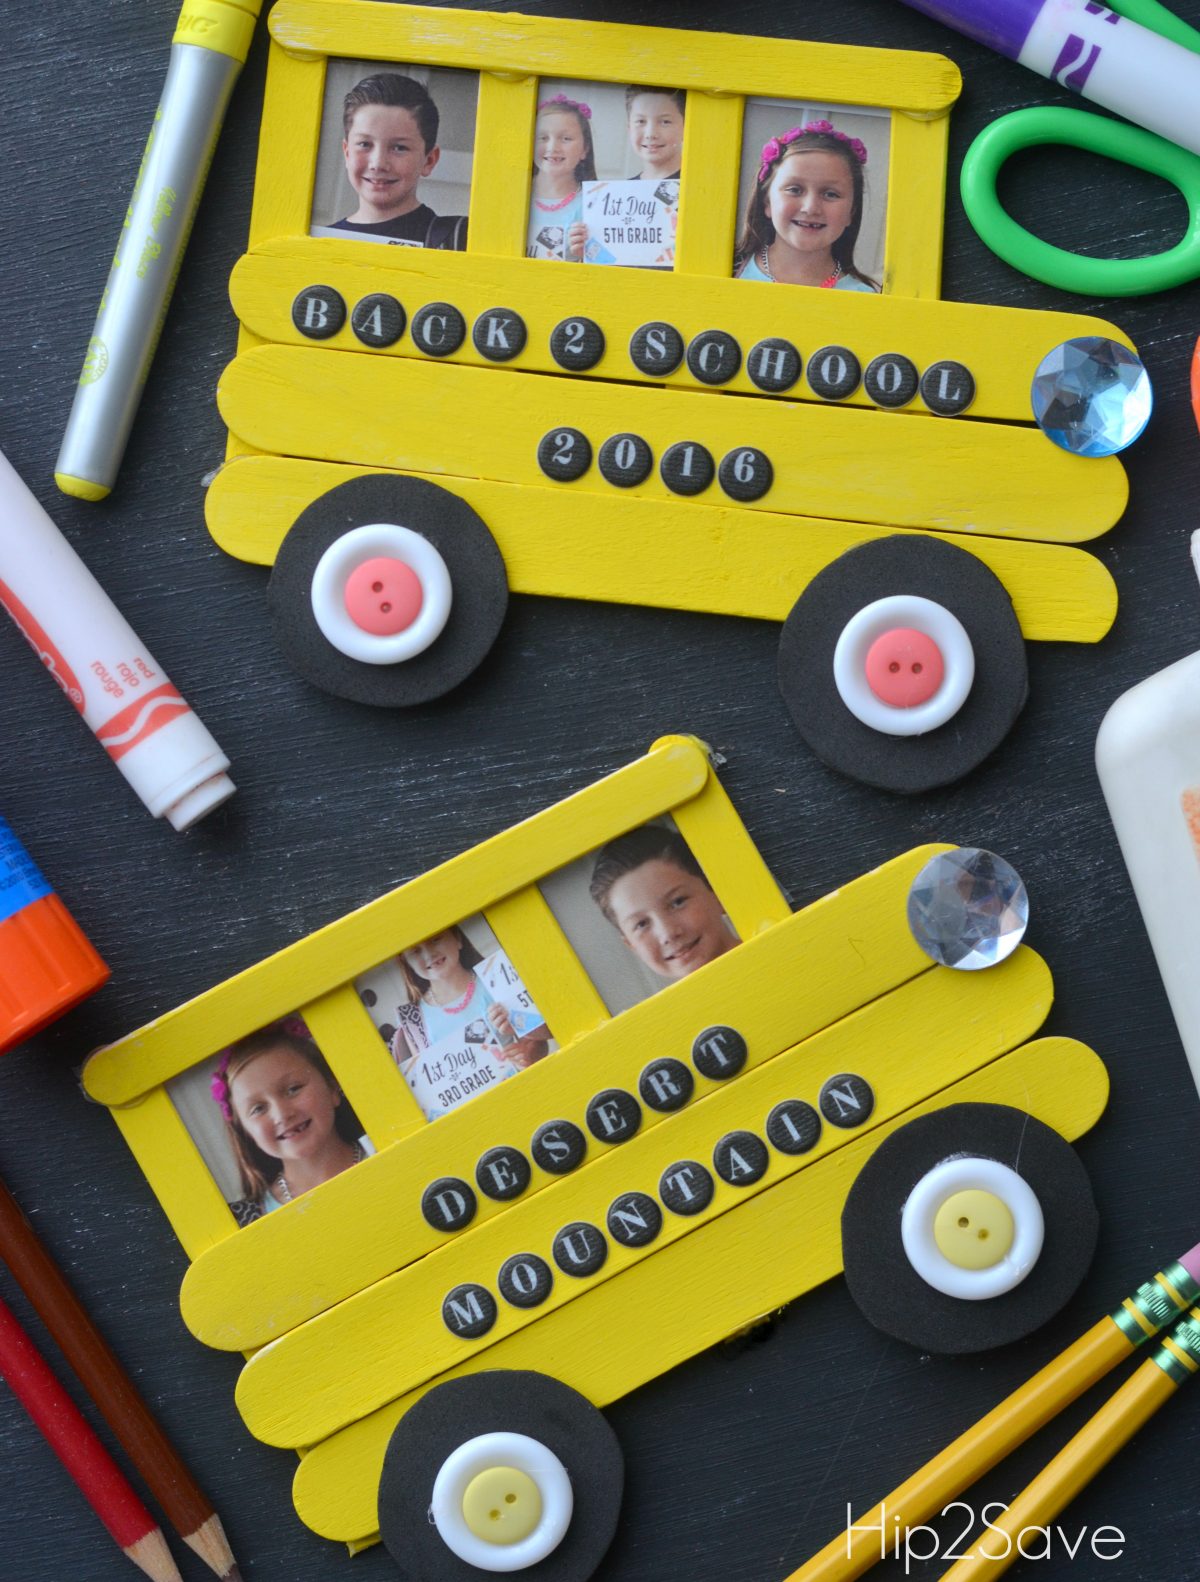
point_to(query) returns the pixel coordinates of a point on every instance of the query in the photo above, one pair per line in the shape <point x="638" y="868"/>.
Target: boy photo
<point x="394" y="162"/>
<point x="455" y="1015"/>
<point x="269" y="1118"/>
<point x="639" y="913"/>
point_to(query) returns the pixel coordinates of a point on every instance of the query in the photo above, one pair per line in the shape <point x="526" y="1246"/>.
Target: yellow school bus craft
<point x="524" y="395"/>
<point x="649" y="1077"/>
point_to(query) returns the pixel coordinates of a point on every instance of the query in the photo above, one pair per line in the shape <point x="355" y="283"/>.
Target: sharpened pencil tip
<point x="232" y="1575"/>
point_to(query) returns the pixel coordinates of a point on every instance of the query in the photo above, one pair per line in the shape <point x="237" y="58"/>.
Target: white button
<point x="329" y="593"/>
<point x="465" y="1464"/>
<point x="884" y="615"/>
<point x="920" y="1243"/>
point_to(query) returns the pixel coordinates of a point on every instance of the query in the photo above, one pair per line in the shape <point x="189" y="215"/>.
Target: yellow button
<point x="973" y="1229"/>
<point x="502" y="1505"/>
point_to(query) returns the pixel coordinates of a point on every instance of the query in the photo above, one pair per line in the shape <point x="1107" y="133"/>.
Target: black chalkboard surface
<point x="741" y="1463"/>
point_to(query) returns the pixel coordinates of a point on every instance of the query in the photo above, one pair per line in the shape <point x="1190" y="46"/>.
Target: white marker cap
<point x="192" y="807"/>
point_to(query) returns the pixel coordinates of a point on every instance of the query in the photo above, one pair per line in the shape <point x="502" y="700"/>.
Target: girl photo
<point x="269" y="1118"/>
<point x="455" y="1015"/>
<point x="639" y="913"/>
<point x="394" y="163"/>
<point x="813" y="195"/>
<point x="607" y="162"/>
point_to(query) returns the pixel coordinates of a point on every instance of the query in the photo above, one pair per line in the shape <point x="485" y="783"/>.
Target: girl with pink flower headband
<point x="287" y="1120"/>
<point x="805" y="211"/>
<point x="563" y="159"/>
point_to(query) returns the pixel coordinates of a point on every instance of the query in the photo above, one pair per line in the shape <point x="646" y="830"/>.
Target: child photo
<point x="607" y="162"/>
<point x="455" y="1015"/>
<point x="269" y="1118"/>
<point x="639" y="913"/>
<point x="813" y="195"/>
<point x="394" y="160"/>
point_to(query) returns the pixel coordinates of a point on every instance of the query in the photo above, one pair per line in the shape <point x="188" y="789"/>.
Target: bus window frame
<point x="917" y="89"/>
<point x="314" y="977"/>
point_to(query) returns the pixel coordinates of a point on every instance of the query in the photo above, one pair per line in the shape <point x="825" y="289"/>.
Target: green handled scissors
<point x="1131" y="145"/>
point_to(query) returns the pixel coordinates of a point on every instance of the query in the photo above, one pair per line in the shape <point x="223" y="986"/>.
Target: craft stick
<point x="1141" y="1316"/>
<point x="66" y="1431"/>
<point x="113" y="1392"/>
<point x="1175" y="1361"/>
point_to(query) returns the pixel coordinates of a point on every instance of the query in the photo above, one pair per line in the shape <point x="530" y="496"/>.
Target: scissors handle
<point x="1155" y="16"/>
<point x="1055" y="266"/>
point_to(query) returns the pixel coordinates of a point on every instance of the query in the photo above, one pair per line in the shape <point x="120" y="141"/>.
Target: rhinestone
<point x="1091" y="396"/>
<point x="968" y="908"/>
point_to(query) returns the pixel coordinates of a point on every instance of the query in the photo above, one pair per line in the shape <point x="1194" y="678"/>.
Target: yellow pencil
<point x="1151" y="1308"/>
<point x="1175" y="1361"/>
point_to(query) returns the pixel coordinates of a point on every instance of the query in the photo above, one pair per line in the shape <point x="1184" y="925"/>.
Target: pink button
<point x="383" y="596"/>
<point x="904" y="667"/>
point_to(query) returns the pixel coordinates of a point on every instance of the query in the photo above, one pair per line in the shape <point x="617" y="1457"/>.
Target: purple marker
<point x="1091" y="50"/>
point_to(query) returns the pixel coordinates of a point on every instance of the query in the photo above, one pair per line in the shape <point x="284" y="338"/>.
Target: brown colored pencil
<point x="113" y="1392"/>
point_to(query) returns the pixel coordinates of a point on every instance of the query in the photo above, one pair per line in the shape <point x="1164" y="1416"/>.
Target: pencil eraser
<point x="1191" y="1262"/>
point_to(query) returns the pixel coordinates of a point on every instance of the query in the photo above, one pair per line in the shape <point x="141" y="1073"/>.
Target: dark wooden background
<point x="740" y="1463"/>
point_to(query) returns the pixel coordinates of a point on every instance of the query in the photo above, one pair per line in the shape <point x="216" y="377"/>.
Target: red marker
<point x="102" y="666"/>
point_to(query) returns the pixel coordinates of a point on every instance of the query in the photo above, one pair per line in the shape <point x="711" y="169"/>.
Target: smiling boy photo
<point x="650" y="887"/>
<point x="388" y="179"/>
<point x="640" y="913"/>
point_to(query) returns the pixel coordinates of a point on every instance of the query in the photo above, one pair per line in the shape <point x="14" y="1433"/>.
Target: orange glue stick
<point x="47" y="964"/>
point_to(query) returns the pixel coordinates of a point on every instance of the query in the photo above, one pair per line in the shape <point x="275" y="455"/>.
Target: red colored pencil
<point x="112" y="1391"/>
<point x="101" y="1481"/>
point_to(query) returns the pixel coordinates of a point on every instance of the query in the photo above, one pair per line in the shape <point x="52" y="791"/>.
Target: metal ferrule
<point x="1155" y="1305"/>
<point x="1179" y="1354"/>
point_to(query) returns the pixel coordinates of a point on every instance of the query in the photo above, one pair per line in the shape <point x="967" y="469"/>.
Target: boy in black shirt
<point x="390" y="127"/>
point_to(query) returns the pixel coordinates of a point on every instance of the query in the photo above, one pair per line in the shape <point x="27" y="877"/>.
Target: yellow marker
<point x="208" y="49"/>
<point x="502" y="1505"/>
<point x="973" y="1229"/>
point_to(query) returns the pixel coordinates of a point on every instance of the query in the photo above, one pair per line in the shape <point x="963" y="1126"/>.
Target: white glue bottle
<point x="1148" y="760"/>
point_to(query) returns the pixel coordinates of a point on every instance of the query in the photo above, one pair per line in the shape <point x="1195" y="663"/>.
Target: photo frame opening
<point x="813" y="194"/>
<point x="639" y="913"/>
<point x="395" y="155"/>
<point x="607" y="162"/>
<point x="269" y="1118"/>
<point x="455" y="1015"/>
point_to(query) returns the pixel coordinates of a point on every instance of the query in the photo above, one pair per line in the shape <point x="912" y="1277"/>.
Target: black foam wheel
<point x="479" y="590"/>
<point x="929" y="568"/>
<point x="453" y="1413"/>
<point x="886" y="1286"/>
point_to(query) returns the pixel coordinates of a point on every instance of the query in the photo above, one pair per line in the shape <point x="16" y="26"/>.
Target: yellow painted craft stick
<point x="778" y="1245"/>
<point x="336" y="405"/>
<point x="1002" y="346"/>
<point x="682" y="556"/>
<point x="1115" y="1337"/>
<point x="1175" y="1361"/>
<point x="917" y="1038"/>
